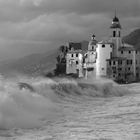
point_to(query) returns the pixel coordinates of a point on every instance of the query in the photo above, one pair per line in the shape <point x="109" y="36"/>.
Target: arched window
<point x="114" y="33"/>
<point x="103" y="46"/>
<point x="119" y="33"/>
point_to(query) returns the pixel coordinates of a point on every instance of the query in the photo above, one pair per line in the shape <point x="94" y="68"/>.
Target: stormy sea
<point x="68" y="109"/>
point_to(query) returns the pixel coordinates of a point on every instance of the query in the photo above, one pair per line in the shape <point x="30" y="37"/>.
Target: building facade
<point x="112" y="58"/>
<point x="90" y="57"/>
<point x="81" y="59"/>
<point x="124" y="62"/>
<point x="104" y="52"/>
<point x="74" y="59"/>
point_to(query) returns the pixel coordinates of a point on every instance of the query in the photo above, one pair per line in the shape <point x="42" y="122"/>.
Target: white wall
<point x="103" y="53"/>
<point x="71" y="66"/>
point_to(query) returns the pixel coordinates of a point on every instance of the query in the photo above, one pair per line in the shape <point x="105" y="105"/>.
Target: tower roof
<point x="115" y="23"/>
<point x="115" y="19"/>
<point x="93" y="41"/>
<point x="93" y="36"/>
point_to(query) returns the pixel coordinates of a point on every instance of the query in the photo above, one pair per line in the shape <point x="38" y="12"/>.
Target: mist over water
<point x="22" y="108"/>
<point x="30" y="103"/>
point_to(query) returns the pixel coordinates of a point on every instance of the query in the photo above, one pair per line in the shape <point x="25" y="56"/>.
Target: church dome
<point x="115" y="23"/>
<point x="115" y="19"/>
<point x="93" y="36"/>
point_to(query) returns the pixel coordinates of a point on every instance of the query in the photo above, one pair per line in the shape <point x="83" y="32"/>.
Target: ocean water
<point x="65" y="109"/>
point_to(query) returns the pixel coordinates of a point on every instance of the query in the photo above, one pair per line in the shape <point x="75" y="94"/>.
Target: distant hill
<point x="34" y="64"/>
<point x="133" y="38"/>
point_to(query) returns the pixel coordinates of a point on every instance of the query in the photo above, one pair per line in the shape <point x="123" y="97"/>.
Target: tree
<point x="62" y="48"/>
<point x="58" y="59"/>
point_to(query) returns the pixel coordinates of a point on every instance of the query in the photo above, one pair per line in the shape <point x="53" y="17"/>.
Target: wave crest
<point x="41" y="98"/>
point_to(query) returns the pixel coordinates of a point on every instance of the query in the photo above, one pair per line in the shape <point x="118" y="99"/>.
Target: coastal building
<point x="90" y="58"/>
<point x="74" y="59"/>
<point x="104" y="52"/>
<point x="124" y="62"/>
<point x="81" y="58"/>
<point x="112" y="58"/>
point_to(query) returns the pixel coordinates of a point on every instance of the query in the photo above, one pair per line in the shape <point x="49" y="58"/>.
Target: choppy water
<point x="62" y="109"/>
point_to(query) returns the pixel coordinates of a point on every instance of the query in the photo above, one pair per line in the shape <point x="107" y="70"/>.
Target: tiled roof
<point x="75" y="51"/>
<point x="75" y="46"/>
<point x="84" y="45"/>
<point x="115" y="19"/>
<point x="127" y="49"/>
<point x="105" y="42"/>
<point x="116" y="58"/>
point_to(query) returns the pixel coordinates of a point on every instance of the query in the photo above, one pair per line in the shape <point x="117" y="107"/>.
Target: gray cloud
<point x="20" y="10"/>
<point x="28" y="26"/>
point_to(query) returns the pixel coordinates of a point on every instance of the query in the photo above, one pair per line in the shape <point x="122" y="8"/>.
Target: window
<point x="127" y="62"/>
<point x="96" y="55"/>
<point x="77" y="62"/>
<point x="120" y="62"/>
<point x="114" y="63"/>
<point x="120" y="69"/>
<point x="114" y="68"/>
<point x="131" y="62"/>
<point x="136" y="52"/>
<point x="119" y="74"/>
<point x="128" y="68"/>
<point x="129" y="52"/>
<point x="119" y="33"/>
<point x="121" y="52"/>
<point x="111" y="55"/>
<point x="72" y="55"/>
<point x="103" y="69"/>
<point x="137" y="68"/>
<point x="83" y="60"/>
<point x="114" y="33"/>
<point x="77" y="55"/>
<point x="114" y="72"/>
<point x="92" y="48"/>
<point x="103" y="46"/>
<point x="110" y="63"/>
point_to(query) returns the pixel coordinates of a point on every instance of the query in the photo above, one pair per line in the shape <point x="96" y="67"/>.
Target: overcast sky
<point x="29" y="26"/>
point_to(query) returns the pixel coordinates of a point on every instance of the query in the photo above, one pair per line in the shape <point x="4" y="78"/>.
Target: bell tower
<point x="116" y="35"/>
<point x="92" y="43"/>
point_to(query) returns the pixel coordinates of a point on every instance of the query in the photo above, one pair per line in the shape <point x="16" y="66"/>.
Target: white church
<point x="112" y="58"/>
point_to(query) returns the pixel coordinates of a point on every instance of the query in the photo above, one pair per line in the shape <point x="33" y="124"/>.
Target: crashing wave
<point x="24" y="103"/>
<point x="26" y="86"/>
